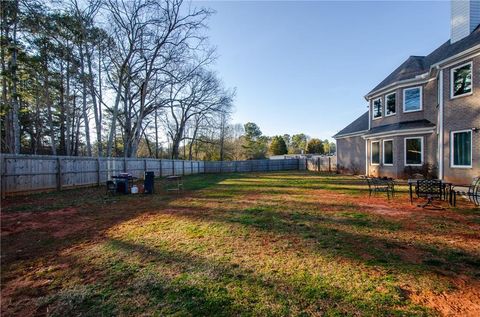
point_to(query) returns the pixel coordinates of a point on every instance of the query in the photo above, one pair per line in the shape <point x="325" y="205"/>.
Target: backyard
<point x="268" y="244"/>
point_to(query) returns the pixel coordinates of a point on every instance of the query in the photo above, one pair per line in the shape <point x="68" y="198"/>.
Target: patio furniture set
<point x="430" y="189"/>
<point x="123" y="183"/>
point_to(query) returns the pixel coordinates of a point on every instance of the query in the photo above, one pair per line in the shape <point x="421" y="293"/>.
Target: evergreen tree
<point x="278" y="146"/>
<point x="315" y="146"/>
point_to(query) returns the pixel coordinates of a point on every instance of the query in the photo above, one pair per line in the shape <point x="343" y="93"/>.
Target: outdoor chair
<point x="473" y="192"/>
<point x="431" y="189"/>
<point x="381" y="185"/>
<point x="111" y="187"/>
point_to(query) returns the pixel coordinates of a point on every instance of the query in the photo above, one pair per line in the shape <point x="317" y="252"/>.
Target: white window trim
<point x="386" y="97"/>
<point x="451" y="80"/>
<point x="421" y="99"/>
<point x="451" y="149"/>
<point x="373" y="108"/>
<point x="383" y="152"/>
<point x="371" y="153"/>
<point x="405" y="150"/>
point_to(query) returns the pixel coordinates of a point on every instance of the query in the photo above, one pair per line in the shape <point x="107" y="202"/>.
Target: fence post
<point x="124" y="164"/>
<point x="173" y="167"/>
<point x="98" y="171"/>
<point x="160" y="161"/>
<point x="183" y="167"/>
<point x="144" y="166"/>
<point x="329" y="164"/>
<point x="2" y="178"/>
<point x="59" y="174"/>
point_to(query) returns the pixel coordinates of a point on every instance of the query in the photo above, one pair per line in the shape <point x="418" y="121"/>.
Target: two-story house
<point x="425" y="113"/>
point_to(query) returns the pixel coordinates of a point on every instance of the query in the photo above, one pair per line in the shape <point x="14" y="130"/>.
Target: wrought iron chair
<point x="473" y="192"/>
<point x="431" y="189"/>
<point x="380" y="185"/>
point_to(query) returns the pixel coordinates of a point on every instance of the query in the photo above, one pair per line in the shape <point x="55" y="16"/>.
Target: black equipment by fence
<point x="149" y="182"/>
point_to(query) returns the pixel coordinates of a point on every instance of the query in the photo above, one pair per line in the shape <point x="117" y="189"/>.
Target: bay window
<point x="412" y="99"/>
<point x="387" y="152"/>
<point x="375" y="153"/>
<point x="413" y="151"/>
<point x="390" y="104"/>
<point x="377" y="108"/>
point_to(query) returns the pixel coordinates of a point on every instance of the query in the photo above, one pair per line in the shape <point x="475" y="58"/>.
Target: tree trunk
<point x="84" y="105"/>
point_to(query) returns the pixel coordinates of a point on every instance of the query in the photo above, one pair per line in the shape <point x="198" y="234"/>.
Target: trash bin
<point x="148" y="183"/>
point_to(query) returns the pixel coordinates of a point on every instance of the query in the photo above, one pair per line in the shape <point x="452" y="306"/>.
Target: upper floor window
<point x="461" y="80"/>
<point x="461" y="148"/>
<point x="412" y="99"/>
<point x="390" y="103"/>
<point x="377" y="108"/>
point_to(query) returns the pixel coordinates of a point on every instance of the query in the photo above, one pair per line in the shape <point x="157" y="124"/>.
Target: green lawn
<point x="262" y="244"/>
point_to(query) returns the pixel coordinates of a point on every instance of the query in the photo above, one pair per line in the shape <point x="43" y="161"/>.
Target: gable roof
<point x="360" y="124"/>
<point x="417" y="65"/>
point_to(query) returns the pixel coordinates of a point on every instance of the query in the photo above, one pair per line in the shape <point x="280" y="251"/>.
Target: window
<point x="375" y="154"/>
<point x="461" y="148"/>
<point x="377" y="108"/>
<point x="461" y="80"/>
<point x="412" y="99"/>
<point x="387" y="152"/>
<point x="390" y="102"/>
<point x="413" y="151"/>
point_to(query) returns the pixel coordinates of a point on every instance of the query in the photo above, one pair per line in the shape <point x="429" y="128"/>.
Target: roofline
<point x="466" y="52"/>
<point x="349" y="135"/>
<point x="418" y="78"/>
<point x="400" y="132"/>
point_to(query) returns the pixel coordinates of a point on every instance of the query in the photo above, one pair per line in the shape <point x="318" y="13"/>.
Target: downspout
<point x="440" y="124"/>
<point x="366" y="157"/>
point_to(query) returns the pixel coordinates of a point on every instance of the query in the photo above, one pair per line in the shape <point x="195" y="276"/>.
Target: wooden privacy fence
<point x="254" y="166"/>
<point x="322" y="164"/>
<point x="28" y="173"/>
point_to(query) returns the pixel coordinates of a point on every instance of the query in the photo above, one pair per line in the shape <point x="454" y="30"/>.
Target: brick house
<point x="426" y="113"/>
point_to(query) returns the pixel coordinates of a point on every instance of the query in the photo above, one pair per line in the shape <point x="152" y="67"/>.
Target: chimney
<point x="465" y="18"/>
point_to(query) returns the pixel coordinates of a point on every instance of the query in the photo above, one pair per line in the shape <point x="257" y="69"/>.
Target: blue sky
<point x="305" y="66"/>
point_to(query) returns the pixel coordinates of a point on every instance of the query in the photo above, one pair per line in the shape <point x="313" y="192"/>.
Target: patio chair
<point x="473" y="192"/>
<point x="431" y="189"/>
<point x="380" y="185"/>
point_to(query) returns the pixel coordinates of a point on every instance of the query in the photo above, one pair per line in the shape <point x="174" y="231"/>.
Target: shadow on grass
<point x="354" y="236"/>
<point x="204" y="286"/>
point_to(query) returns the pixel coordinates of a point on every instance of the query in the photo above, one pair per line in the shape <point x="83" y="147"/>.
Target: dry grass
<point x="268" y="244"/>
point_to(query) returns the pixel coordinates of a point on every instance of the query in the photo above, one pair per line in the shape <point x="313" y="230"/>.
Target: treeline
<point x="110" y="78"/>
<point x="253" y="144"/>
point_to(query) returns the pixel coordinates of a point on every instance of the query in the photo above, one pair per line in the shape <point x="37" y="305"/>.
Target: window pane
<point x="375" y="152"/>
<point x="377" y="108"/>
<point x="412" y="99"/>
<point x="388" y="152"/>
<point x="462" y="147"/>
<point x="414" y="151"/>
<point x="462" y="80"/>
<point x="390" y="104"/>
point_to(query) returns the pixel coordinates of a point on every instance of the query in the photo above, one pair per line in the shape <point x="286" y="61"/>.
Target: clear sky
<point x="305" y="66"/>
